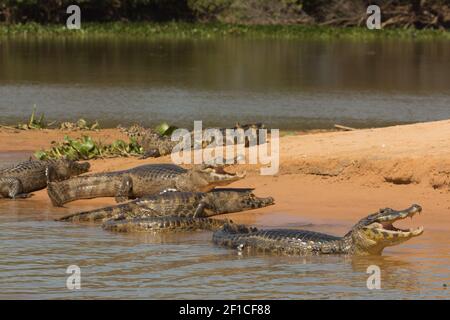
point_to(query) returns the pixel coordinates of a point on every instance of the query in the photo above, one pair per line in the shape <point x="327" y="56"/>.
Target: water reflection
<point x="287" y="83"/>
<point x="34" y="255"/>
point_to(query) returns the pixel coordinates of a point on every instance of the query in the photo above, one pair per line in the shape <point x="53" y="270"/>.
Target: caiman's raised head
<point x="228" y="200"/>
<point x="368" y="237"/>
<point x="206" y="177"/>
<point x="64" y="168"/>
<point x="375" y="232"/>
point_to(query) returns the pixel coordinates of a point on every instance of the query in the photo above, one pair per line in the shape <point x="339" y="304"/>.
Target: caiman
<point x="368" y="237"/>
<point x="190" y="205"/>
<point x="19" y="180"/>
<point x="163" y="224"/>
<point x="156" y="145"/>
<point x="140" y="181"/>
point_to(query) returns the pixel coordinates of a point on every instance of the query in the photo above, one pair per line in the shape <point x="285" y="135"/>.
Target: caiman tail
<point x="83" y="188"/>
<point x="98" y="214"/>
<point x="164" y="224"/>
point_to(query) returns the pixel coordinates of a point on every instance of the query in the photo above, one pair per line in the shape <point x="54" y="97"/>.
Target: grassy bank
<point x="216" y="30"/>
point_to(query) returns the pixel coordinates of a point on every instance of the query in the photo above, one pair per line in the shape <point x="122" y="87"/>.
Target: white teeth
<point x="417" y="231"/>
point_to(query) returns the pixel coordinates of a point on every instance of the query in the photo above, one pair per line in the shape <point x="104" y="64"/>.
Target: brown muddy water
<point x="35" y="252"/>
<point x="288" y="84"/>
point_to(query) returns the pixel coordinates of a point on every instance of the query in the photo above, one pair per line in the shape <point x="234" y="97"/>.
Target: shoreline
<point x="197" y="30"/>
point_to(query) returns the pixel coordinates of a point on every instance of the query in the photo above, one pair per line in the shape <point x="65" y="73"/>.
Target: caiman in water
<point x="368" y="237"/>
<point x="175" y="210"/>
<point x="164" y="224"/>
<point x="140" y="181"/>
<point x="21" y="179"/>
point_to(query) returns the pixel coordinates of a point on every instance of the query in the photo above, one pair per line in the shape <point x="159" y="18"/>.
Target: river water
<point x="288" y="84"/>
<point x="36" y="251"/>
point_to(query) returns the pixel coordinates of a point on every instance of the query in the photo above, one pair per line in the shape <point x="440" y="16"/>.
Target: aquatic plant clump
<point x="35" y="122"/>
<point x="85" y="148"/>
<point x="81" y="124"/>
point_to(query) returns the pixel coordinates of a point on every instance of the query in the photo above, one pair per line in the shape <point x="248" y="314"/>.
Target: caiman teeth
<point x="404" y="233"/>
<point x="418" y="231"/>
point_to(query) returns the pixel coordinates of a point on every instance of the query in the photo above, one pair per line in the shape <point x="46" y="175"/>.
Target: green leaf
<point x="41" y="155"/>
<point x="165" y="129"/>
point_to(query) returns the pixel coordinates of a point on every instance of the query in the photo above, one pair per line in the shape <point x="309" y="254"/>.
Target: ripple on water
<point x="35" y="255"/>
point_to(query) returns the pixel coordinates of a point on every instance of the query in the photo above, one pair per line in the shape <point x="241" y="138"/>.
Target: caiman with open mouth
<point x="368" y="237"/>
<point x="141" y="181"/>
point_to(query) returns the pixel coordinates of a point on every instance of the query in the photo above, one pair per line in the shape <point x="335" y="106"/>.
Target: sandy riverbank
<point x="332" y="177"/>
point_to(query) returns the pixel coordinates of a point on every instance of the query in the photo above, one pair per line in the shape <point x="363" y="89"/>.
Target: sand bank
<point x="324" y="178"/>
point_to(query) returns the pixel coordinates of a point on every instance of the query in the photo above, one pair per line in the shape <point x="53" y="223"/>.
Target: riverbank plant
<point x="186" y="30"/>
<point x="85" y="148"/>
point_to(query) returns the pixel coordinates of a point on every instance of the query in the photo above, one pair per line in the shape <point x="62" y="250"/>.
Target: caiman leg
<point x="152" y="153"/>
<point x="125" y="190"/>
<point x="52" y="174"/>
<point x="12" y="188"/>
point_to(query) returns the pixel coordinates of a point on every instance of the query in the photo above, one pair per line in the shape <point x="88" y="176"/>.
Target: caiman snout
<point x="80" y="167"/>
<point x="263" y="202"/>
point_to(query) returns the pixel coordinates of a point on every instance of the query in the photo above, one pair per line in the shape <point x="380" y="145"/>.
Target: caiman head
<point x="375" y="232"/>
<point x="206" y="177"/>
<point x="68" y="168"/>
<point x="228" y="200"/>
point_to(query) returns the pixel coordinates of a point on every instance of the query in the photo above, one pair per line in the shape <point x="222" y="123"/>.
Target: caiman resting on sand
<point x="140" y="181"/>
<point x="368" y="237"/>
<point x="173" y="210"/>
<point x="19" y="180"/>
<point x="156" y="145"/>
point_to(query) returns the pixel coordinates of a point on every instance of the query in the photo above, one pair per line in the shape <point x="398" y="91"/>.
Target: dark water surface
<point x="285" y="83"/>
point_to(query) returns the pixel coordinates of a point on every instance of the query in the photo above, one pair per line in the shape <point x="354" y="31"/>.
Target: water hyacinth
<point x="85" y="148"/>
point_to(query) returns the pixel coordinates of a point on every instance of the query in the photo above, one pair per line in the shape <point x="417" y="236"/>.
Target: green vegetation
<point x="216" y="30"/>
<point x="85" y="148"/>
<point x="323" y="19"/>
<point x="164" y="129"/>
<point x="38" y="122"/>
<point x="396" y="13"/>
<point x="34" y="122"/>
<point x="81" y="124"/>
